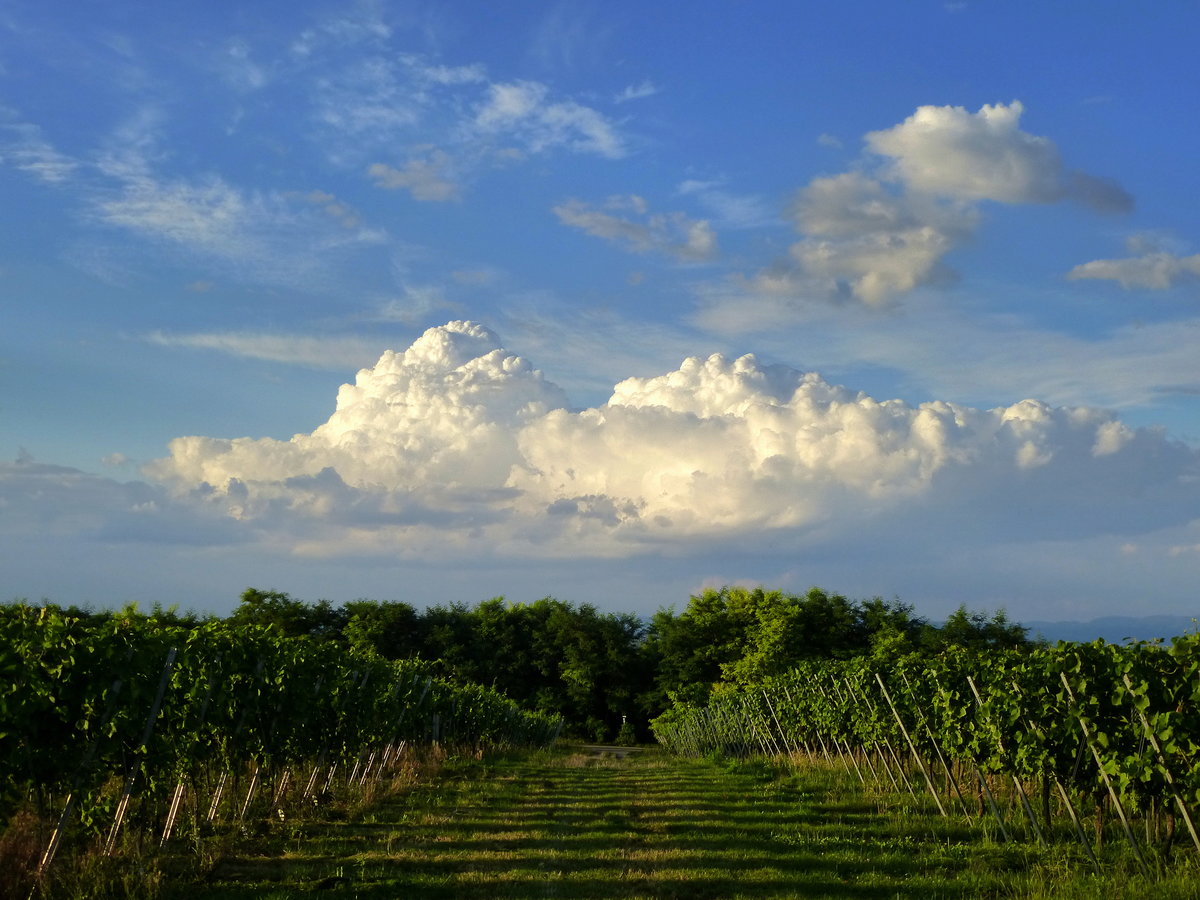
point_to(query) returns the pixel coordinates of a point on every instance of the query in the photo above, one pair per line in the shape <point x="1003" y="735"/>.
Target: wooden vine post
<point x="1112" y="792"/>
<point x="1063" y="795"/>
<point x="913" y="747"/>
<point x="127" y="792"/>
<point x="1016" y="781"/>
<point x="938" y="750"/>
<point x="1162" y="761"/>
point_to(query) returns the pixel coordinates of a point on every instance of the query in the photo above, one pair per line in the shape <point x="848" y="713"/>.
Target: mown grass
<point x="580" y="825"/>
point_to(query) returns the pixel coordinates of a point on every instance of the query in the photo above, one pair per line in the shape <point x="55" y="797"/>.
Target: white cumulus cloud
<point x="879" y="241"/>
<point x="949" y="151"/>
<point x="457" y="437"/>
<point x="882" y="232"/>
<point x="440" y="416"/>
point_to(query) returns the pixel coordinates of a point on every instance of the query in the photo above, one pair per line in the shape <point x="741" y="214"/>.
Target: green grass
<point x="579" y="825"/>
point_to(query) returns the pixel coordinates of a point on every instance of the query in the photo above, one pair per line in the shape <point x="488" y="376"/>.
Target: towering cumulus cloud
<point x="456" y="439"/>
<point x="418" y="434"/>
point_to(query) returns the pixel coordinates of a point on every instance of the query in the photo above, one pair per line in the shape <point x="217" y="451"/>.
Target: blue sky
<point x="958" y="240"/>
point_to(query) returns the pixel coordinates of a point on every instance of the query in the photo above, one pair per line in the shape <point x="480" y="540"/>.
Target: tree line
<point x="608" y="674"/>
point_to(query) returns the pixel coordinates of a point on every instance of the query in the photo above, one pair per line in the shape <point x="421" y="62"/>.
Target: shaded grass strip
<point x="646" y="825"/>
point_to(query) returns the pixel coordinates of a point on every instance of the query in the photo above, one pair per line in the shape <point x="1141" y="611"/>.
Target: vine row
<point x="132" y="720"/>
<point x="1035" y="742"/>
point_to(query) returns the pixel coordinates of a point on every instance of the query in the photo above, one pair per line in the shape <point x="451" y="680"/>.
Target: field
<point x="593" y="823"/>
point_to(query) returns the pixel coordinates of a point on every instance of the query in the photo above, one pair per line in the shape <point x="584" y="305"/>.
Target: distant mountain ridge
<point x="1116" y="629"/>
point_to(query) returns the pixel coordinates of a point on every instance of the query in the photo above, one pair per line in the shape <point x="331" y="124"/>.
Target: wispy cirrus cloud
<point x="362" y="23"/>
<point x="570" y="36"/>
<point x="588" y="350"/>
<point x="425" y="126"/>
<point x="312" y="351"/>
<point x="1153" y="271"/>
<point x="287" y="237"/>
<point x="368" y="97"/>
<point x="373" y="101"/>
<point x="283" y="237"/>
<point x="367" y="104"/>
<point x="336" y="209"/>
<point x="944" y="350"/>
<point x="506" y="122"/>
<point x="268" y="237"/>
<point x="525" y="112"/>
<point x="236" y="66"/>
<point x="627" y="220"/>
<point x="427" y="178"/>
<point x="1150" y="267"/>
<point x="24" y="147"/>
<point x="639" y="91"/>
<point x="414" y="303"/>
<point x="731" y="210"/>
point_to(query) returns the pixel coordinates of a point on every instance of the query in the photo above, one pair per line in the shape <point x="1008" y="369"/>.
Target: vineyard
<point x="131" y="731"/>
<point x="1092" y="743"/>
<point x="147" y="754"/>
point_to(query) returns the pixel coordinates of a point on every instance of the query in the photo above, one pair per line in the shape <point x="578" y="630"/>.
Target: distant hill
<point x="1115" y="629"/>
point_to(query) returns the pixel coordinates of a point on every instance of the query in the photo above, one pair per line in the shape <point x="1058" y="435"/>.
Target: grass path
<point x="582" y="825"/>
